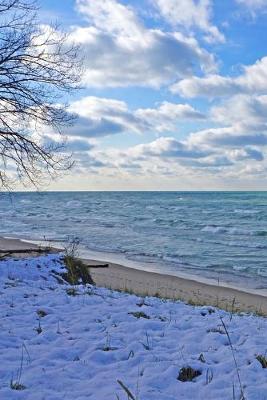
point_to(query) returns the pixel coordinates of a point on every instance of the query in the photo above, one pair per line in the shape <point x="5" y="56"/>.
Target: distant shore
<point x="120" y="277"/>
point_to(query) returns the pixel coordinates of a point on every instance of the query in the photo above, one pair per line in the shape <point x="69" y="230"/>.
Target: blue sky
<point x="175" y="94"/>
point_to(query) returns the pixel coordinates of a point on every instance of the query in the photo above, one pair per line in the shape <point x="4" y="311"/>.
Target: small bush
<point x="77" y="271"/>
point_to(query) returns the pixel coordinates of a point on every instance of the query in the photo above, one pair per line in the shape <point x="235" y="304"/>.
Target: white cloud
<point x="169" y="156"/>
<point x="111" y="16"/>
<point x="243" y="135"/>
<point x="253" y="5"/>
<point x="191" y="14"/>
<point x="209" y="86"/>
<point x="167" y="147"/>
<point x="246" y="153"/>
<point x="215" y="149"/>
<point x="253" y="79"/>
<point x="206" y="154"/>
<point x="120" y="51"/>
<point x="166" y="116"/>
<point x="231" y="137"/>
<point x="101" y="117"/>
<point x="247" y="112"/>
<point x="163" y="155"/>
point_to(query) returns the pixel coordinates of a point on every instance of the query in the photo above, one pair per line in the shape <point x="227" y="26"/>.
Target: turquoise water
<point x="213" y="234"/>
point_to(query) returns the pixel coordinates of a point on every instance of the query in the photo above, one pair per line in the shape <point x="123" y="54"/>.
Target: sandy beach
<point x="144" y="283"/>
<point x="119" y="277"/>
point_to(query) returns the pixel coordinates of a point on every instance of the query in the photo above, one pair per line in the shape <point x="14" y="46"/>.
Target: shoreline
<point x="150" y="267"/>
<point x="143" y="283"/>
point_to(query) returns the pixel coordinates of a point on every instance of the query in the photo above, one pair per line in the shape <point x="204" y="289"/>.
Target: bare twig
<point x="127" y="391"/>
<point x="242" y="395"/>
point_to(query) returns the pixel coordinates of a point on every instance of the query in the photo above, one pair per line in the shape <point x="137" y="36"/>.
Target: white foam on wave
<point x="223" y="229"/>
<point x="25" y="201"/>
<point x="214" y="229"/>
<point x="246" y="212"/>
<point x="239" y="268"/>
<point x="236" y="231"/>
<point x="73" y="203"/>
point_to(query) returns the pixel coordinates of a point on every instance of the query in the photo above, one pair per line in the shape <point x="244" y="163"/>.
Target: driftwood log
<point x="99" y="266"/>
<point x="21" y="251"/>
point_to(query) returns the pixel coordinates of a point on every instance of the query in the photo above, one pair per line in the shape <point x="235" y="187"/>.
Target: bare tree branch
<point x="38" y="66"/>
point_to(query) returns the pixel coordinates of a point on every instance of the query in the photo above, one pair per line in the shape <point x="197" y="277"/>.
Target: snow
<point x="78" y="347"/>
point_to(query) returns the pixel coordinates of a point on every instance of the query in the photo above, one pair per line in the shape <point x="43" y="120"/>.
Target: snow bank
<point x="78" y="347"/>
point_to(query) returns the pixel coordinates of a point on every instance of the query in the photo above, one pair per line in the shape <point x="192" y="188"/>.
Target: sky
<point x="174" y="94"/>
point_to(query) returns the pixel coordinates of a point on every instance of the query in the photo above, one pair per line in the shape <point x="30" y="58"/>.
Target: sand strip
<point x="119" y="277"/>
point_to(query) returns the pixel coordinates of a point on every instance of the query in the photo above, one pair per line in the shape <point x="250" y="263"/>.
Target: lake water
<point x="219" y="235"/>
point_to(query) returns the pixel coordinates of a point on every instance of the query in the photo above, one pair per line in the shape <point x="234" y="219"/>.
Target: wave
<point x="236" y="231"/>
<point x="262" y="272"/>
<point x="261" y="233"/>
<point x="166" y="222"/>
<point x="214" y="229"/>
<point x="232" y="243"/>
<point x="232" y="231"/>
<point x="246" y="212"/>
<point x="239" y="268"/>
<point x="245" y="245"/>
<point x="25" y="201"/>
<point x="73" y="203"/>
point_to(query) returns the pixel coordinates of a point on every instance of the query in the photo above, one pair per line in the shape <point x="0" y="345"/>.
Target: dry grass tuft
<point x="16" y="385"/>
<point x="187" y="374"/>
<point x="262" y="359"/>
<point x="41" y="313"/>
<point x="77" y="271"/>
<point x="72" y="291"/>
<point x="139" y="314"/>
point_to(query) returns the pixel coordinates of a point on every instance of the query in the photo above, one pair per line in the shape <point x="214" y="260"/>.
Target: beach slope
<point x="119" y="277"/>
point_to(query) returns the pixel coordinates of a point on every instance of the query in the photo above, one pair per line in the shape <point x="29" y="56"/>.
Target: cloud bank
<point x="120" y="51"/>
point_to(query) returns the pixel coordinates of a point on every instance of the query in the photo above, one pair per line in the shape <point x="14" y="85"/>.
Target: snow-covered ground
<point x="56" y="346"/>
